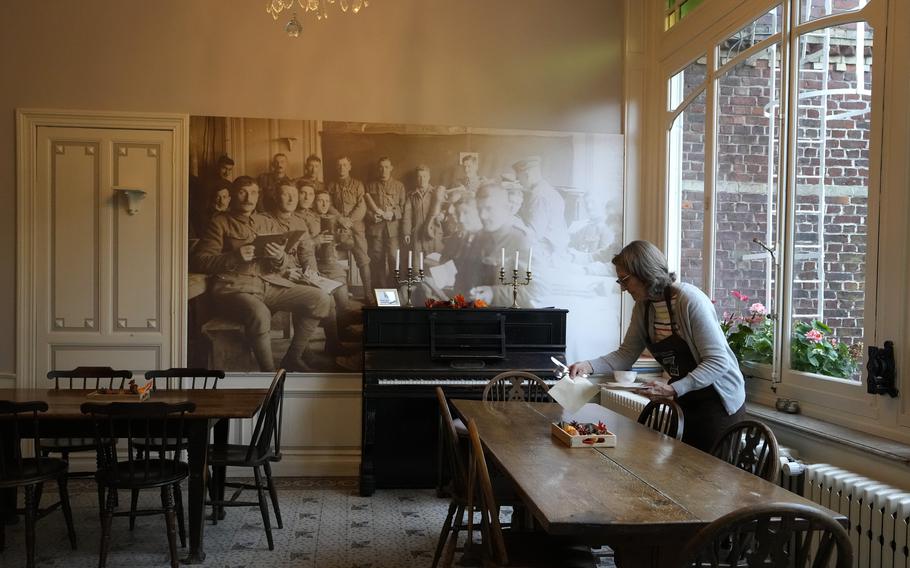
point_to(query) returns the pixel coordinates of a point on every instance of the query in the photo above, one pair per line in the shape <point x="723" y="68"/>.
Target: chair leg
<point x="167" y="503"/>
<point x="273" y="494"/>
<point x="134" y="503"/>
<point x="67" y="511"/>
<point x="263" y="507"/>
<point x="31" y="514"/>
<point x="101" y="501"/>
<point x="181" y="527"/>
<point x="443" y="536"/>
<point x="107" y="515"/>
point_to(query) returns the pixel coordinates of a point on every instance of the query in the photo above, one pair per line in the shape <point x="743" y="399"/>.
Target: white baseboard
<point x="7" y="380"/>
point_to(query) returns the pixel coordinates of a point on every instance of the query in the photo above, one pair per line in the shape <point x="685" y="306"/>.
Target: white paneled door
<point x="102" y="235"/>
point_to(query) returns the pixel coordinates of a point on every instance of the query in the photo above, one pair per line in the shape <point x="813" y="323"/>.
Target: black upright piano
<point x="408" y="352"/>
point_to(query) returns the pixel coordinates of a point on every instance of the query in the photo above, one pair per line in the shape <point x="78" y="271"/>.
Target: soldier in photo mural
<point x="385" y="201"/>
<point x="312" y="173"/>
<point x="421" y="229"/>
<point x="270" y="181"/>
<point x="482" y="259"/>
<point x="544" y="209"/>
<point x="248" y="282"/>
<point x="348" y="201"/>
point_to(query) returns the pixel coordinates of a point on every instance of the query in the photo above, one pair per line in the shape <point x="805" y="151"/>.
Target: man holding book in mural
<point x="245" y="252"/>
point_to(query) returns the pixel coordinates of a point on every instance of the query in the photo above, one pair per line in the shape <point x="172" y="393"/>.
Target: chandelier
<point x="320" y="7"/>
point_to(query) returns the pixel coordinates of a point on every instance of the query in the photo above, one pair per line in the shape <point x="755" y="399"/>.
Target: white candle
<point x="410" y="259"/>
<point x="502" y="263"/>
<point x="516" y="260"/>
<point x="421" y="260"/>
<point x="397" y="259"/>
<point x="530" y="254"/>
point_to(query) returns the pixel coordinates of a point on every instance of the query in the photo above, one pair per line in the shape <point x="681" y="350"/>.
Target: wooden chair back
<point x="159" y="425"/>
<point x="750" y="446"/>
<point x="665" y="417"/>
<point x="517" y="386"/>
<point x="449" y="440"/>
<point x="268" y="424"/>
<point x="775" y="534"/>
<point x="16" y="413"/>
<point x="479" y="478"/>
<point x="90" y="378"/>
<point x="184" y="379"/>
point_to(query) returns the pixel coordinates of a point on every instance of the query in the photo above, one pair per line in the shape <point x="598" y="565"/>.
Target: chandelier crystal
<point x="294" y="26"/>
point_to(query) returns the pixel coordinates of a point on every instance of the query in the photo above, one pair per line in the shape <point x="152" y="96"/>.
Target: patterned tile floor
<point x="327" y="524"/>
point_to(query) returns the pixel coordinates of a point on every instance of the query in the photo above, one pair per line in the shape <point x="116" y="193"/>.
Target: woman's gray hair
<point x="644" y="261"/>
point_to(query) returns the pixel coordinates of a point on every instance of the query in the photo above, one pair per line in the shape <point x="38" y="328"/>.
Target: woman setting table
<point x="676" y="322"/>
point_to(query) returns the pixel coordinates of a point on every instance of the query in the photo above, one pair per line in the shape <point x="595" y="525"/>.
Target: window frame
<point x="817" y="393"/>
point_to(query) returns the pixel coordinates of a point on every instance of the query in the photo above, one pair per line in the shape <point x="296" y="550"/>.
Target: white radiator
<point x="878" y="514"/>
<point x="628" y="404"/>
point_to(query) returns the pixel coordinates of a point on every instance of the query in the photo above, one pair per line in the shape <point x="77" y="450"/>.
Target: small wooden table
<point x="213" y="409"/>
<point x="644" y="498"/>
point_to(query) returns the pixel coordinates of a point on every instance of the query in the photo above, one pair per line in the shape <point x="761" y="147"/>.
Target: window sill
<point x="868" y="443"/>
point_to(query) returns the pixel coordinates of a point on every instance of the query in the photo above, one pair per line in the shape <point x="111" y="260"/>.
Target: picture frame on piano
<point x="387" y="297"/>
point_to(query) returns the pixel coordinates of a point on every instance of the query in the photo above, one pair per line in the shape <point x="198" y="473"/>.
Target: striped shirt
<point x="662" y="325"/>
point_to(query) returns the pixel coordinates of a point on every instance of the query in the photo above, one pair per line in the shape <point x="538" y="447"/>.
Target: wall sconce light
<point x="133" y="197"/>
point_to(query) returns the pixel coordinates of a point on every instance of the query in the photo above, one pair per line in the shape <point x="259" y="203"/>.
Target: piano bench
<point x="230" y="349"/>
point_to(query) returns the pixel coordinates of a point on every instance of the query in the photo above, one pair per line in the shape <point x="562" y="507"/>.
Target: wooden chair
<point x="30" y="474"/>
<point x="458" y="488"/>
<point x="511" y="548"/>
<point x="517" y="385"/>
<point x="81" y="378"/>
<point x="264" y="447"/>
<point x="665" y="417"/>
<point x="173" y="379"/>
<point x="783" y="535"/>
<point x="750" y="446"/>
<point x="148" y="421"/>
<point x="509" y="386"/>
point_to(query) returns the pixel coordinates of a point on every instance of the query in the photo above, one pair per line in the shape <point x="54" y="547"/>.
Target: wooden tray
<point x="118" y="396"/>
<point x="607" y="440"/>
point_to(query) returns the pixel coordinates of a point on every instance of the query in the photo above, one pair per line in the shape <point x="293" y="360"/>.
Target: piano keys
<point x="408" y="352"/>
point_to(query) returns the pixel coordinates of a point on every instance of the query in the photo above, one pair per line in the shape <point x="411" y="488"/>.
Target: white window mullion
<point x="710" y="173"/>
<point x="787" y="200"/>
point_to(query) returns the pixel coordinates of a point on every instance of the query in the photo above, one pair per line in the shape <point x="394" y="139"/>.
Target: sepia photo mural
<point x="294" y="225"/>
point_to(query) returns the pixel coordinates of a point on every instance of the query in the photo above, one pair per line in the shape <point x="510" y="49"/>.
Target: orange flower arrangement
<point x="456" y="303"/>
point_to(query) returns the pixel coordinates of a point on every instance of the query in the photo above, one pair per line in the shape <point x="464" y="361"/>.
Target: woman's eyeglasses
<point x="622" y="281"/>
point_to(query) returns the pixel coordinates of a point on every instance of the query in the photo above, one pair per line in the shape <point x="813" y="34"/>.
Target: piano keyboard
<point x="448" y="381"/>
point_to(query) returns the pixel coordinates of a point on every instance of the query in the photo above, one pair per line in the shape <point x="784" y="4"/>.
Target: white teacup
<point x="624" y="377"/>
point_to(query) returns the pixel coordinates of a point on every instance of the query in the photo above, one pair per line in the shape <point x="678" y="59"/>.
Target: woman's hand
<point x="659" y="391"/>
<point x="580" y="368"/>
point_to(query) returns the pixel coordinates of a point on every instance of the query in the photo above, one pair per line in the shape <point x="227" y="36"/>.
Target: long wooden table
<point x="213" y="409"/>
<point x="644" y="498"/>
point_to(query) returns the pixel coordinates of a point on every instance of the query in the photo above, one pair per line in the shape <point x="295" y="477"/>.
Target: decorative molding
<point x="151" y="151"/>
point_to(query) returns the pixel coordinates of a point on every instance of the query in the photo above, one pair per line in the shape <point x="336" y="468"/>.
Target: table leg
<point x="637" y="554"/>
<point x="222" y="429"/>
<point x="197" y="451"/>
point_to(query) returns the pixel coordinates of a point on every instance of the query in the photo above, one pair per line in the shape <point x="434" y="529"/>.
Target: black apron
<point x="703" y="409"/>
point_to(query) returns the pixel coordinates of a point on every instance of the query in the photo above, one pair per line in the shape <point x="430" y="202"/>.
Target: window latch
<point x="880" y="367"/>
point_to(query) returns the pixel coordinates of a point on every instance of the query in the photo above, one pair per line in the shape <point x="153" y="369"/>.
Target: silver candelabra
<point x="515" y="283"/>
<point x="409" y="281"/>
